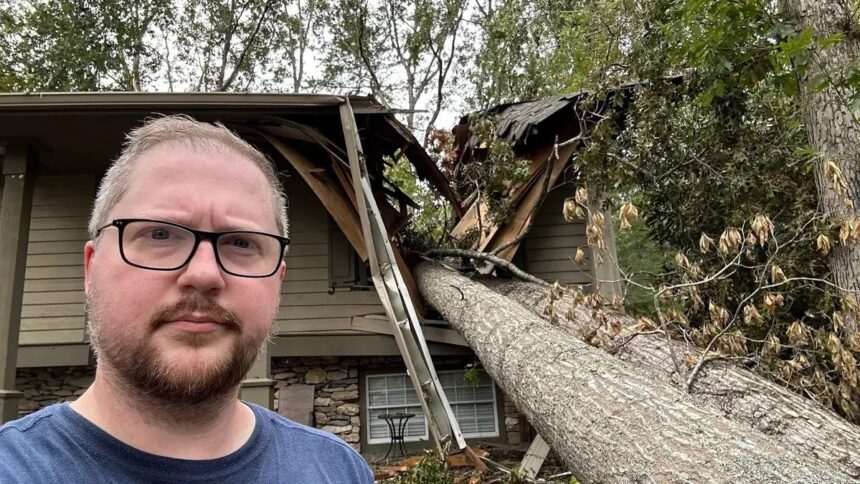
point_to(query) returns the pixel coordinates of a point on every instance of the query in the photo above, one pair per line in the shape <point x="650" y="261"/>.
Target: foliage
<point x="643" y="260"/>
<point x="472" y="376"/>
<point x="67" y="45"/>
<point x="429" y="222"/>
<point x="198" y="45"/>
<point x="433" y="469"/>
<point x="492" y="171"/>
<point x="297" y="35"/>
<point x="717" y="151"/>
<point x="530" y="49"/>
<point x="713" y="147"/>
<point x="222" y="41"/>
<point x="399" y="51"/>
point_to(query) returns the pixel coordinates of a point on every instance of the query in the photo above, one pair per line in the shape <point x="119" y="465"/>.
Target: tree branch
<point x="498" y="261"/>
<point x="375" y="85"/>
<point x="247" y="48"/>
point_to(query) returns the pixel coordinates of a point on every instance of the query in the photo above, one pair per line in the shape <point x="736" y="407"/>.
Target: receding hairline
<point x="198" y="146"/>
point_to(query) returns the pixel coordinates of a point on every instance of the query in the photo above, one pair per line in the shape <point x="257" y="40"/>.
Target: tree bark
<point x="608" y="422"/>
<point x="735" y="392"/>
<point x="832" y="127"/>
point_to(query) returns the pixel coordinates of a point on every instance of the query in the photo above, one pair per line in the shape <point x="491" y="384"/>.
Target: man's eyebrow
<point x="230" y="226"/>
<point x="163" y="217"/>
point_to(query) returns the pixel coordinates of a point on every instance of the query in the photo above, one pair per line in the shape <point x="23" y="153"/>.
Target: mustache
<point x="196" y="304"/>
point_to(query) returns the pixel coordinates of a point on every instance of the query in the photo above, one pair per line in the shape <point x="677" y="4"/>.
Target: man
<point x="182" y="278"/>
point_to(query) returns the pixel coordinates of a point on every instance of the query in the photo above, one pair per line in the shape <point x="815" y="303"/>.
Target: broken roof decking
<point x="532" y="124"/>
<point x="532" y="128"/>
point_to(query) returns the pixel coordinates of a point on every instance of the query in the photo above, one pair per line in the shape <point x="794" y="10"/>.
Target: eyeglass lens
<point x="163" y="246"/>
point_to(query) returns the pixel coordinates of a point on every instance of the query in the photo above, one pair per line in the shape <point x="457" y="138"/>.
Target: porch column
<point x="607" y="271"/>
<point x="257" y="387"/>
<point x="18" y="165"/>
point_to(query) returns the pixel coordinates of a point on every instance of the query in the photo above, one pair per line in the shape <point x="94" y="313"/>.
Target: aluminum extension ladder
<point x="398" y="305"/>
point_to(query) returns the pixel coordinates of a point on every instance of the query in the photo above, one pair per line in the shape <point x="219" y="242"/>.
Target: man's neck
<point x="196" y="432"/>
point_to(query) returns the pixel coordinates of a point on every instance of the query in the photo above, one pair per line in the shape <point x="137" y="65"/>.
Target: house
<point x="334" y="363"/>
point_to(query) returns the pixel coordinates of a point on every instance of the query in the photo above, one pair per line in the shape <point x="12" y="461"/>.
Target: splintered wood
<point x="526" y="198"/>
<point x="335" y="201"/>
<point x="332" y="184"/>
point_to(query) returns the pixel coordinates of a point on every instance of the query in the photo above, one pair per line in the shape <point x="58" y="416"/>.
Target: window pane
<point x="375" y="398"/>
<point x="416" y="425"/>
<point x="466" y="411"/>
<point x="378" y="428"/>
<point x="479" y="416"/>
<point x="484" y="392"/>
<point x="410" y="396"/>
<point x="396" y="397"/>
<point x="486" y="425"/>
<point x="375" y="383"/>
<point x="467" y="426"/>
<point x="448" y="379"/>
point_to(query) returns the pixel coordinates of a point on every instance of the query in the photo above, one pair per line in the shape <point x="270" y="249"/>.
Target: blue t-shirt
<point x="56" y="444"/>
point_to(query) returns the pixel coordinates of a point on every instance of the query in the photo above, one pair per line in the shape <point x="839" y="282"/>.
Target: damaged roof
<point x="530" y="125"/>
<point x="516" y="121"/>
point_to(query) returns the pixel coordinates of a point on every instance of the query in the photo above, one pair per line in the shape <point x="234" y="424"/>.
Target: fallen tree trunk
<point x="736" y="392"/>
<point x="608" y="422"/>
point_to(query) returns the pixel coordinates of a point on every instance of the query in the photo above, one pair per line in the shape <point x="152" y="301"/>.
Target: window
<point x="346" y="269"/>
<point x="390" y="394"/>
<point x="474" y="406"/>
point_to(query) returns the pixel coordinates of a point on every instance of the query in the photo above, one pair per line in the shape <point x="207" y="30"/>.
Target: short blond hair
<point x="179" y="129"/>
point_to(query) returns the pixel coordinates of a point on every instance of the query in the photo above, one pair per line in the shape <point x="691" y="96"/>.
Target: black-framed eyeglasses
<point x="166" y="246"/>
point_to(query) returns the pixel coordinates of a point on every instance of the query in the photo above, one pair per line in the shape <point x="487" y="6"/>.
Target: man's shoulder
<point x="31" y="425"/>
<point x="320" y="455"/>
<point x="307" y="434"/>
<point x="29" y="446"/>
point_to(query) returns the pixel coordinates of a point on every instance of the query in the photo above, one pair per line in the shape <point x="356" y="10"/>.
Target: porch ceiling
<point x="83" y="132"/>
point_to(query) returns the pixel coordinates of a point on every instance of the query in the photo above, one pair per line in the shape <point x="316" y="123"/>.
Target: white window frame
<point x="425" y="436"/>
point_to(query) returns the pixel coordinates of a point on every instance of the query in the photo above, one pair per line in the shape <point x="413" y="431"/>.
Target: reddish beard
<point x="142" y="365"/>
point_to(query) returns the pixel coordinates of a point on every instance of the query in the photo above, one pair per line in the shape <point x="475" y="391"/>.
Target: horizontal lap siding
<point x="305" y="300"/>
<point x="552" y="243"/>
<point x="53" y="307"/>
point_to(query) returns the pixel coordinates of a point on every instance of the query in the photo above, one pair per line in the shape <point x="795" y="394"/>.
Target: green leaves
<point x="798" y="44"/>
<point x="70" y="45"/>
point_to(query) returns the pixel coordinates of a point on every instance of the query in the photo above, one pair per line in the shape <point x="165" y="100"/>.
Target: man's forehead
<point x="196" y="167"/>
<point x="192" y="148"/>
<point x="211" y="155"/>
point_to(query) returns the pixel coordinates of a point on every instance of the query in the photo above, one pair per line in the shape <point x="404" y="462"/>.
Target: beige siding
<point x="305" y="300"/>
<point x="552" y="243"/>
<point x="53" y="310"/>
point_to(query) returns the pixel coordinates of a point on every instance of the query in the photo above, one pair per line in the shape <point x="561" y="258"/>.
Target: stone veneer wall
<point x="336" y="391"/>
<point x="335" y="383"/>
<point x="46" y="386"/>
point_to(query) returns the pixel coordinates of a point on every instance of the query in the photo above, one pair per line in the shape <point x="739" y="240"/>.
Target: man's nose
<point x="202" y="272"/>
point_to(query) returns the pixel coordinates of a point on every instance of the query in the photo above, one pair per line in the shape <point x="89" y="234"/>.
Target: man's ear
<point x="282" y="272"/>
<point x="89" y="253"/>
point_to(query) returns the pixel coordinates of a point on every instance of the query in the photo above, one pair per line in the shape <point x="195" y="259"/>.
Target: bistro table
<point x="396" y="430"/>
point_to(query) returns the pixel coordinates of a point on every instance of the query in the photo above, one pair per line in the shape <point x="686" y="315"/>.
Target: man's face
<point x="191" y="334"/>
